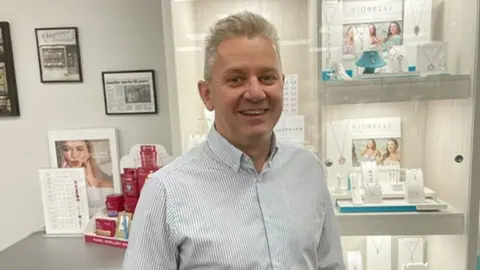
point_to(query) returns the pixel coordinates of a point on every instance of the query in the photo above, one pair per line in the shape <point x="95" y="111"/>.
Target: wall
<point x="114" y="35"/>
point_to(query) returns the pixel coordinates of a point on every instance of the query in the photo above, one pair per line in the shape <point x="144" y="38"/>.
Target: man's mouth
<point x="254" y="112"/>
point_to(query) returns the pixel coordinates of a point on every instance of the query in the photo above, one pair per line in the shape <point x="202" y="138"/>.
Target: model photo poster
<point x="372" y="23"/>
<point x="129" y="92"/>
<point x="59" y="54"/>
<point x="376" y="140"/>
<point x="353" y="141"/>
<point x="94" y="150"/>
<point x="8" y="86"/>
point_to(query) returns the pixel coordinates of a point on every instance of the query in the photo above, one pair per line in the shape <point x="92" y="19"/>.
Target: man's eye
<point x="235" y="80"/>
<point x="268" y="79"/>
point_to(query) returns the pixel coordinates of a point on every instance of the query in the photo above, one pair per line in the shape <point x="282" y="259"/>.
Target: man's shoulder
<point x="182" y="166"/>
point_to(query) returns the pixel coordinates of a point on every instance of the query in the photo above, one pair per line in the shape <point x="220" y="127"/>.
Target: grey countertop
<point x="37" y="252"/>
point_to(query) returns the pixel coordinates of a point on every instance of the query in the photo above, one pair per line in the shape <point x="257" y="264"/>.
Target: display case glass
<point x="383" y="92"/>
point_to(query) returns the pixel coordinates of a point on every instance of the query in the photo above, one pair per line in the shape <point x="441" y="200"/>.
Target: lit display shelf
<point x="448" y="222"/>
<point x="397" y="89"/>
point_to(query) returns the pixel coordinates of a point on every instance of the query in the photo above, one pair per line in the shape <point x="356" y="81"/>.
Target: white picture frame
<point x="94" y="149"/>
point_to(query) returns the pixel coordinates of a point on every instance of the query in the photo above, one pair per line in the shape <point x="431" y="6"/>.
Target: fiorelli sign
<point x="366" y="11"/>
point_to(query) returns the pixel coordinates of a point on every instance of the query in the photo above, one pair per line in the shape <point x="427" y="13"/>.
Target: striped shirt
<point x="210" y="209"/>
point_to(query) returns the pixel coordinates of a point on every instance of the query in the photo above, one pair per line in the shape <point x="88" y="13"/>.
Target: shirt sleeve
<point x="151" y="243"/>
<point x="329" y="252"/>
<point x="330" y="256"/>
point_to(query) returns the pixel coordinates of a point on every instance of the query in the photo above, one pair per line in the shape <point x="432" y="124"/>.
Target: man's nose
<point x="255" y="90"/>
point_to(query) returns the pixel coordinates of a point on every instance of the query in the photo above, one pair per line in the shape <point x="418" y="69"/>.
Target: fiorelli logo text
<point x="372" y="126"/>
<point x="372" y="9"/>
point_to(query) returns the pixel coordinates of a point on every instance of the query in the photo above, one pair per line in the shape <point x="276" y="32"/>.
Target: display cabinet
<point x="383" y="91"/>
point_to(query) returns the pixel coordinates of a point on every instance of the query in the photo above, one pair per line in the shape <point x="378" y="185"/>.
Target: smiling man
<point x="241" y="200"/>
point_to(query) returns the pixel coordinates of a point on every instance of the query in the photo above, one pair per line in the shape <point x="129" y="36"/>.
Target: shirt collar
<point x="231" y="155"/>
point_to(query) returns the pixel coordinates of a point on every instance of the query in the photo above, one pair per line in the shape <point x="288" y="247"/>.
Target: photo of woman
<point x="394" y="37"/>
<point x="374" y="40"/>
<point x="370" y="152"/>
<point x="379" y="35"/>
<point x="349" y="42"/>
<point x="384" y="151"/>
<point x="94" y="156"/>
<point x="391" y="155"/>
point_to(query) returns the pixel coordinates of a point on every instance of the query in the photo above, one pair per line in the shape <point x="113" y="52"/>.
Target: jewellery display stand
<point x="410" y="250"/>
<point x="354" y="260"/>
<point x="355" y="191"/>
<point x="340" y="187"/>
<point x="413" y="198"/>
<point x="415" y="266"/>
<point x="373" y="190"/>
<point x="432" y="58"/>
<point x="379" y="252"/>
<point x="414" y="190"/>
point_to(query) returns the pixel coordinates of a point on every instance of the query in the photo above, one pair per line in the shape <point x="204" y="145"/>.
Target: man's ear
<point x="205" y="94"/>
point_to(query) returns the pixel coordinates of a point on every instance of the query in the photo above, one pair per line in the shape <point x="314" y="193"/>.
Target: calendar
<point x="290" y="94"/>
<point x="65" y="201"/>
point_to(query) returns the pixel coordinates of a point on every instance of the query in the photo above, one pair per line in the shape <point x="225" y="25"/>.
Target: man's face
<point x="246" y="89"/>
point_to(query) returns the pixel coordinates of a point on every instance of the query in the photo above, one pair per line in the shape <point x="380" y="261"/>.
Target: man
<point x="241" y="200"/>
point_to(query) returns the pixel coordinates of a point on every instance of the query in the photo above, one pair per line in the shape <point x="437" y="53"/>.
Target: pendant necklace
<point x="416" y="29"/>
<point x="329" y="30"/>
<point x="377" y="247"/>
<point x="341" y="159"/>
<point x="431" y="66"/>
<point x="411" y="251"/>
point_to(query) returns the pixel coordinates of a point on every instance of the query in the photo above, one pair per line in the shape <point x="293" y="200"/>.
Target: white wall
<point x="114" y="35"/>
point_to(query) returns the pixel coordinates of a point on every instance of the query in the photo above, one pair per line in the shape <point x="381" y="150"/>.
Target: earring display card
<point x="65" y="201"/>
<point x="379" y="252"/>
<point x="290" y="94"/>
<point x="410" y="250"/>
<point x="432" y="58"/>
<point x="291" y="129"/>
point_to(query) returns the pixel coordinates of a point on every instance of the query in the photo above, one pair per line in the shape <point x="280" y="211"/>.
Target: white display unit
<point x="439" y="122"/>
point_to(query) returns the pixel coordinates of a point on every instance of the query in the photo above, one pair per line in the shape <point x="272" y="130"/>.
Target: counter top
<point x="37" y="252"/>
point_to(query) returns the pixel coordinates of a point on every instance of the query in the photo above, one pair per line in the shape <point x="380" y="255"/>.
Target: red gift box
<point x="130" y="204"/>
<point x="105" y="227"/>
<point x="130" y="183"/>
<point x="114" y="204"/>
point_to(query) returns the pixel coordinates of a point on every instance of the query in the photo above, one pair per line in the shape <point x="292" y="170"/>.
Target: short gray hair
<point x="242" y="24"/>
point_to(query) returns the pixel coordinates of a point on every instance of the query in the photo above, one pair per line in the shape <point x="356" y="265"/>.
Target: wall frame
<point x="129" y="92"/>
<point x="59" y="57"/>
<point x="8" y="86"/>
<point x="95" y="150"/>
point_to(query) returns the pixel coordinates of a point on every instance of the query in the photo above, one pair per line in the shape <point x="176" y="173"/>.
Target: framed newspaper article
<point x="129" y="92"/>
<point x="59" y="55"/>
<point x="8" y="85"/>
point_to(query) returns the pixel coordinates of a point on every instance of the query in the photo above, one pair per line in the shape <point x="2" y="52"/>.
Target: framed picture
<point x="59" y="55"/>
<point x="95" y="150"/>
<point x="129" y="92"/>
<point x="8" y="85"/>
